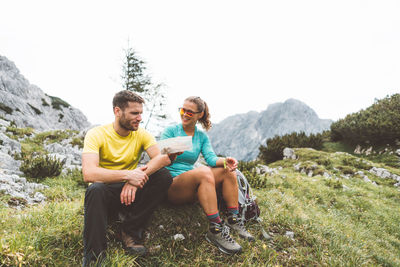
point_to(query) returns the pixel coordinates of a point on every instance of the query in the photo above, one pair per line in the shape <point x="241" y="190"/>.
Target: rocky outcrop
<point x="241" y="135"/>
<point x="28" y="106"/>
<point x="25" y="105"/>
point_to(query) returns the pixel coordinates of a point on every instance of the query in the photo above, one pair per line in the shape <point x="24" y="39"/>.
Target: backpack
<point x="248" y="207"/>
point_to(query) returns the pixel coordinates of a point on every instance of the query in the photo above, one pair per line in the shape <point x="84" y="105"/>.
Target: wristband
<point x="224" y="163"/>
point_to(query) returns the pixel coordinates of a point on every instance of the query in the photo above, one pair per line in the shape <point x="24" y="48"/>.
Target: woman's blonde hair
<point x="201" y="106"/>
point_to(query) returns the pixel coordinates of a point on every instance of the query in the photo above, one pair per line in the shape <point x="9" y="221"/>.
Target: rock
<point x="368" y="151"/>
<point x="384" y="174"/>
<point x="263" y="169"/>
<point x="357" y="150"/>
<point x="19" y="188"/>
<point x="8" y="145"/>
<point x="179" y="237"/>
<point x="297" y="166"/>
<point x="28" y="106"/>
<point x="366" y="179"/>
<point x="65" y="151"/>
<point x="397" y="152"/>
<point x="380" y="172"/>
<point x="288" y="153"/>
<point x="289" y="234"/>
<point x="9" y="165"/>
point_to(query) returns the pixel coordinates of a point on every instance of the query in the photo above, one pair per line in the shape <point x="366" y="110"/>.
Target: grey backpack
<point x="248" y="207"/>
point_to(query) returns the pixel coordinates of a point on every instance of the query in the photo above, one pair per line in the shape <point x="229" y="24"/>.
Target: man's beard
<point x="124" y="124"/>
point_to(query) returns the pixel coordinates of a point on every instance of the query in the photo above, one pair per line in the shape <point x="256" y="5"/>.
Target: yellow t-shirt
<point x="117" y="152"/>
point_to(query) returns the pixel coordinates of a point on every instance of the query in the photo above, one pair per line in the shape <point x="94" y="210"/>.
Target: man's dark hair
<point x="122" y="98"/>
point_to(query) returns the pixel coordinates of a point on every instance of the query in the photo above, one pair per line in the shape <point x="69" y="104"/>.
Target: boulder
<point x="288" y="153"/>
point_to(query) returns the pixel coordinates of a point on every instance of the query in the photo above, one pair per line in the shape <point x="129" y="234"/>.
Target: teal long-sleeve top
<point x="185" y="161"/>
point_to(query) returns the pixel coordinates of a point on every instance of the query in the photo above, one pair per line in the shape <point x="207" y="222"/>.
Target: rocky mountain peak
<point x="248" y="131"/>
<point x="28" y="106"/>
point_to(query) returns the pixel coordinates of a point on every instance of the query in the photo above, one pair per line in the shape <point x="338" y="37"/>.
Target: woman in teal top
<point x="192" y="184"/>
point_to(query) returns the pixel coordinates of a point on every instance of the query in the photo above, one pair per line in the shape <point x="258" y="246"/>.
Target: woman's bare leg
<point x="228" y="181"/>
<point x="196" y="184"/>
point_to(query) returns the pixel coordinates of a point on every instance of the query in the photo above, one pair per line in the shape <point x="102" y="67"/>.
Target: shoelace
<point x="225" y="234"/>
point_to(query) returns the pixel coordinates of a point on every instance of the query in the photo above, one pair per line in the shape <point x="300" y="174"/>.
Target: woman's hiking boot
<point x="218" y="234"/>
<point x="237" y="224"/>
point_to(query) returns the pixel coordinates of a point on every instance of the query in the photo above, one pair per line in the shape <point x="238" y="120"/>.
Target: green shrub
<point x="76" y="141"/>
<point x="52" y="136"/>
<point x="44" y="103"/>
<point x="6" y="109"/>
<point x="56" y="103"/>
<point x="325" y="162"/>
<point x="37" y="111"/>
<point x="337" y="184"/>
<point x="76" y="176"/>
<point x="19" y="132"/>
<point x="385" y="158"/>
<point x="41" y="166"/>
<point x="346" y="169"/>
<point x="357" y="163"/>
<point x="247" y="165"/>
<point x="273" y="151"/>
<point x="378" y="124"/>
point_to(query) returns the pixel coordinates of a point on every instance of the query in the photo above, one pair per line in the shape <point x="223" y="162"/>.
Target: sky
<point x="335" y="56"/>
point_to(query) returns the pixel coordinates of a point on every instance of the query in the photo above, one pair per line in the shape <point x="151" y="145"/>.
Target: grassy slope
<point x="336" y="222"/>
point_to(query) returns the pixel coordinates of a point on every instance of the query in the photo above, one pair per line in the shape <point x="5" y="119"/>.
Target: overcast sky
<point x="335" y="56"/>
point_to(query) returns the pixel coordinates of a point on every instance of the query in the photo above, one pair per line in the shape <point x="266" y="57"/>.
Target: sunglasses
<point x="188" y="113"/>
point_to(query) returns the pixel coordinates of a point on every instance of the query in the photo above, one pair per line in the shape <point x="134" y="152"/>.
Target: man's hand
<point x="128" y="194"/>
<point x="137" y="177"/>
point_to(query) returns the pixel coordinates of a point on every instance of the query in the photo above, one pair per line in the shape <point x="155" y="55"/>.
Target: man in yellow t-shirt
<point x="109" y="161"/>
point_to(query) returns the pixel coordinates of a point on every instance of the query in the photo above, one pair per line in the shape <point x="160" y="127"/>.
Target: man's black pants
<point x="102" y="201"/>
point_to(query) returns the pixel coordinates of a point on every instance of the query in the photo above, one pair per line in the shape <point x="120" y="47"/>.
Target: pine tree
<point x="135" y="79"/>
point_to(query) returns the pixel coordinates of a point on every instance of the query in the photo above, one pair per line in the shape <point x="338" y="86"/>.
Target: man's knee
<point x="96" y="190"/>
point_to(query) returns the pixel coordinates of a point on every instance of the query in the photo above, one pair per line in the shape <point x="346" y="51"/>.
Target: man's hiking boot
<point x="132" y="246"/>
<point x="237" y="224"/>
<point x="218" y="234"/>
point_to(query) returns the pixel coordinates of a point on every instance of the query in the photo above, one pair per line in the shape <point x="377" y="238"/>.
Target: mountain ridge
<point x="28" y="106"/>
<point x="249" y="130"/>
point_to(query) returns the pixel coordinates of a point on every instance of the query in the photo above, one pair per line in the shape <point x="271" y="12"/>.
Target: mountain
<point x="28" y="106"/>
<point x="241" y="135"/>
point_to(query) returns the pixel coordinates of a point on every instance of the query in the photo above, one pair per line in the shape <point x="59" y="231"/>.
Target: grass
<point x="336" y="222"/>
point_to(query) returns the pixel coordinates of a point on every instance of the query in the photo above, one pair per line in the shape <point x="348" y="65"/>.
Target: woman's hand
<point x="231" y="163"/>
<point x="128" y="194"/>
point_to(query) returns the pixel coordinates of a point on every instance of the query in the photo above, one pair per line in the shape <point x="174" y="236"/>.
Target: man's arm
<point x="157" y="161"/>
<point x="92" y="172"/>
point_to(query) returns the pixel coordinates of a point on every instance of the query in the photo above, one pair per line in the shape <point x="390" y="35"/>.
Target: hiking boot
<point x="218" y="234"/>
<point x="132" y="246"/>
<point x="237" y="224"/>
